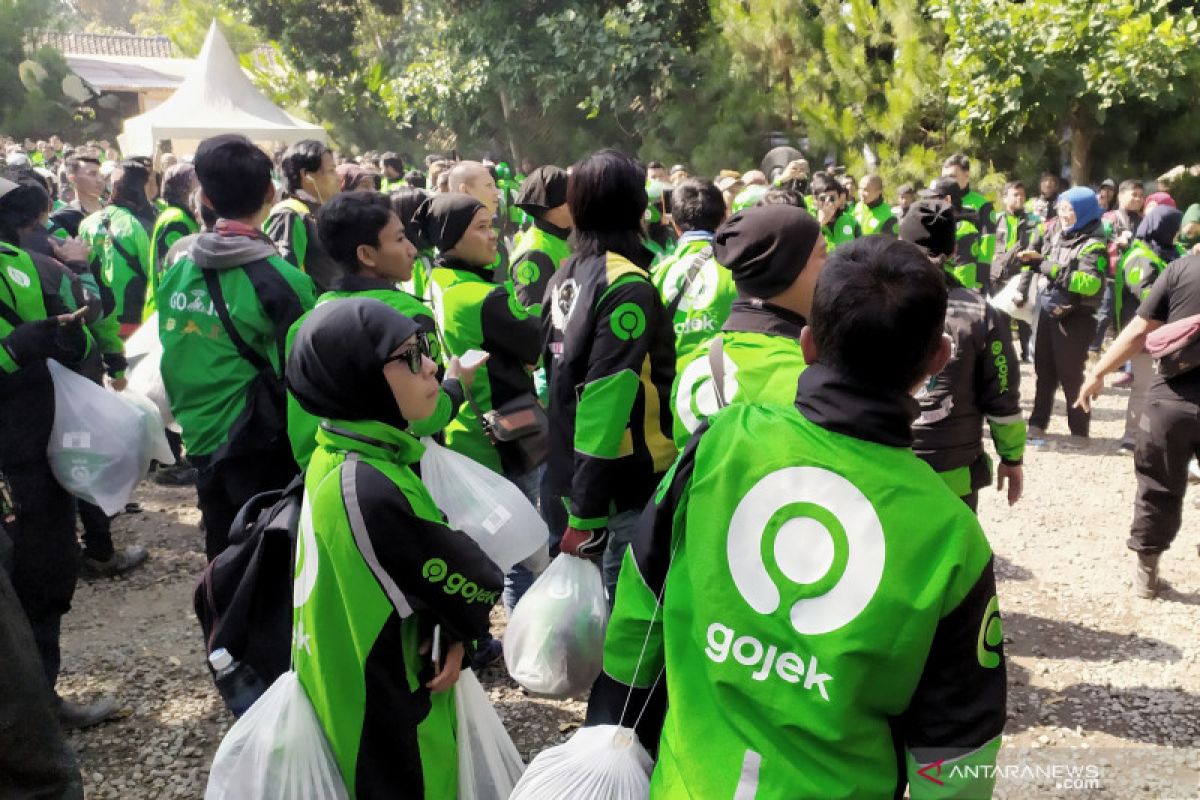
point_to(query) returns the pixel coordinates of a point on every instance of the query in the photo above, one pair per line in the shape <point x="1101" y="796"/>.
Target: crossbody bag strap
<point x="701" y="258"/>
<point x="218" y="300"/>
<point x="130" y="259"/>
<point x="716" y="364"/>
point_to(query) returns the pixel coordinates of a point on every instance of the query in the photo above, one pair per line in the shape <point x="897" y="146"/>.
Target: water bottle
<point x="238" y="683"/>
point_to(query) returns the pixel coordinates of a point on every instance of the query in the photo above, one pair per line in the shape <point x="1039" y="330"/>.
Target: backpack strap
<point x="698" y="261"/>
<point x="278" y="300"/>
<point x="130" y="259"/>
<point x="716" y="364"/>
<point x="218" y="300"/>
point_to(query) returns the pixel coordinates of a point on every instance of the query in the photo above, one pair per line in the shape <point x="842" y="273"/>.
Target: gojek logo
<point x="826" y="540"/>
<point x="305" y="578"/>
<point x="696" y="396"/>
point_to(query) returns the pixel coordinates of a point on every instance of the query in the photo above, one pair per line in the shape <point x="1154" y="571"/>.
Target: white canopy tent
<point x="217" y="97"/>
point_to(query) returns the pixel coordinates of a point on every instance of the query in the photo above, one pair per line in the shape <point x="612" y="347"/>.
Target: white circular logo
<point x="696" y="396"/>
<point x="305" y="578"/>
<point x="19" y="277"/>
<point x="823" y="535"/>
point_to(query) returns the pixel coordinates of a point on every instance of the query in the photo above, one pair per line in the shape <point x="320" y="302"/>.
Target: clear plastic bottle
<point x="238" y="683"/>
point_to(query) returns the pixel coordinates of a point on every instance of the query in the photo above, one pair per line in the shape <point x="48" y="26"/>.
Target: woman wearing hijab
<point x="475" y="314"/>
<point x="405" y="203"/>
<point x="541" y="249"/>
<point x="1075" y="259"/>
<point x="175" y="221"/>
<point x="388" y="598"/>
<point x="1148" y="255"/>
<point x="353" y="178"/>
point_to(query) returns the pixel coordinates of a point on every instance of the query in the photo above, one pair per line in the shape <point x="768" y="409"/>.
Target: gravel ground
<point x="1104" y="696"/>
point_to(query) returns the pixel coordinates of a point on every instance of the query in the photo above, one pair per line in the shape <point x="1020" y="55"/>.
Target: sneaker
<point x="1035" y="437"/>
<point x="118" y="563"/>
<point x="133" y="508"/>
<point x="1125" y="449"/>
<point x="1074" y="443"/>
<point x="1122" y="379"/>
<point x="175" y="475"/>
<point x="76" y="716"/>
<point x="489" y="653"/>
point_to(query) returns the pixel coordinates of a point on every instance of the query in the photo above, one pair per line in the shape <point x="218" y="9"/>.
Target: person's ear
<point x="941" y="356"/>
<point x="366" y="255"/>
<point x="808" y="345"/>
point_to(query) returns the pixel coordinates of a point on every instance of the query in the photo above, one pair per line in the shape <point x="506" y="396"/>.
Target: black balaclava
<point x="930" y="225"/>
<point x="335" y="368"/>
<point x="1159" y="229"/>
<point x="766" y="247"/>
<point x="544" y="189"/>
<point x="444" y="218"/>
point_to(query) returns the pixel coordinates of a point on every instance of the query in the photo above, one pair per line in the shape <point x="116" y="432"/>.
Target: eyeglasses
<point x="826" y="199"/>
<point x="414" y="356"/>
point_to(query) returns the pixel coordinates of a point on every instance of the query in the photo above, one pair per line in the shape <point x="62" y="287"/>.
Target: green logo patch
<point x="528" y="273"/>
<point x="628" y="321"/>
<point x="991" y="634"/>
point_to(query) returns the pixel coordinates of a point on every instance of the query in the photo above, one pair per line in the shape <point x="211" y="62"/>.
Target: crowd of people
<point x="728" y="393"/>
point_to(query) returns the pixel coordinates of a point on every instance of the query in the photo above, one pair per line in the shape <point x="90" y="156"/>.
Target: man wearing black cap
<point x="971" y="267"/>
<point x="541" y="249"/>
<point x="775" y="253"/>
<point x="981" y="379"/>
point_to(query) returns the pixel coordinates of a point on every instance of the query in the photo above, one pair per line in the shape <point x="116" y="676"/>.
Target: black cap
<point x="544" y="189"/>
<point x="766" y="247"/>
<point x="930" y="225"/>
<point x="943" y="187"/>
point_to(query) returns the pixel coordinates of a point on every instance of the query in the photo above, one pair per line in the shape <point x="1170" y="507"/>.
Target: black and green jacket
<point x="877" y="218"/>
<point x="610" y="362"/>
<point x="1014" y="233"/>
<point x="982" y="381"/>
<point x="844" y="228"/>
<point x="538" y="254"/>
<point x="985" y="220"/>
<point x="1136" y="272"/>
<point x="292" y="226"/>
<point x="377" y="567"/>
<point x="25" y="299"/>
<point x="475" y="314"/>
<point x="1076" y="262"/>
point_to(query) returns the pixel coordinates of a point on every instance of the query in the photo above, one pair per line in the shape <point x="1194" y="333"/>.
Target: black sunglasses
<point x="415" y="355"/>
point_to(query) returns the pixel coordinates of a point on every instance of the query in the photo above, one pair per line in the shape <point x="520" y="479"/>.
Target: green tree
<point x="843" y="76"/>
<point x="1023" y="72"/>
<point x="186" y="22"/>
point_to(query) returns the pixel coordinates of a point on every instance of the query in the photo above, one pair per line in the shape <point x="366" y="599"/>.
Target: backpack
<point x="244" y="597"/>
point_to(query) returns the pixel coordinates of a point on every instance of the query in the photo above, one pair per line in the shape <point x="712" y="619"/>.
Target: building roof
<point x="108" y="44"/>
<point x="130" y="74"/>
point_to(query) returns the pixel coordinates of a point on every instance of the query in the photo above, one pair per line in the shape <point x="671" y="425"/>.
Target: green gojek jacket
<point x="970" y="268"/>
<point x="985" y="221"/>
<point x="877" y="218"/>
<point x="475" y="314"/>
<point x="205" y="376"/>
<point x="610" y="363"/>
<point x="292" y="226"/>
<point x="24" y="299"/>
<point x="538" y="253"/>
<point x="844" y="228"/>
<point x="761" y="358"/>
<point x="302" y="426"/>
<point x="1076" y="262"/>
<point x="376" y="568"/>
<point x="418" y="284"/>
<point x="1136" y="272"/>
<point x="172" y="225"/>
<point x="829" y="617"/>
<point x="704" y="305"/>
<point x="120" y="254"/>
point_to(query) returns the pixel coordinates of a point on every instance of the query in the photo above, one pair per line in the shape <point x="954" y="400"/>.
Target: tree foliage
<point x="1017" y="71"/>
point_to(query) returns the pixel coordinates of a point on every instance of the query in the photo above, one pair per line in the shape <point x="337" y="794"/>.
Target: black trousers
<point x="223" y="488"/>
<point x="35" y="760"/>
<point x="97" y="532"/>
<point x="1059" y="356"/>
<point x="45" y="558"/>
<point x="1024" y="334"/>
<point x="1104" y="317"/>
<point x="1168" y="438"/>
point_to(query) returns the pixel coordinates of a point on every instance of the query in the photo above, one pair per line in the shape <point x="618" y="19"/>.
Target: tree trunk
<point x="508" y="128"/>
<point x="1081" y="148"/>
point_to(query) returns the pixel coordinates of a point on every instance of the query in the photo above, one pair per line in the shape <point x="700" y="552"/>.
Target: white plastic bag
<point x="1006" y="300"/>
<point x="101" y="444"/>
<point x="155" y="439"/>
<point x="605" y="762"/>
<point x="487" y="507"/>
<point x="143" y="341"/>
<point x="145" y="377"/>
<point x="276" y="751"/>
<point x="489" y="765"/>
<point x="554" y="643"/>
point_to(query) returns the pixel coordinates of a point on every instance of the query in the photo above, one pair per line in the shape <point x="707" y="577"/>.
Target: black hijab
<point x="444" y="218"/>
<point x="335" y="368"/>
<point x="544" y="189"/>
